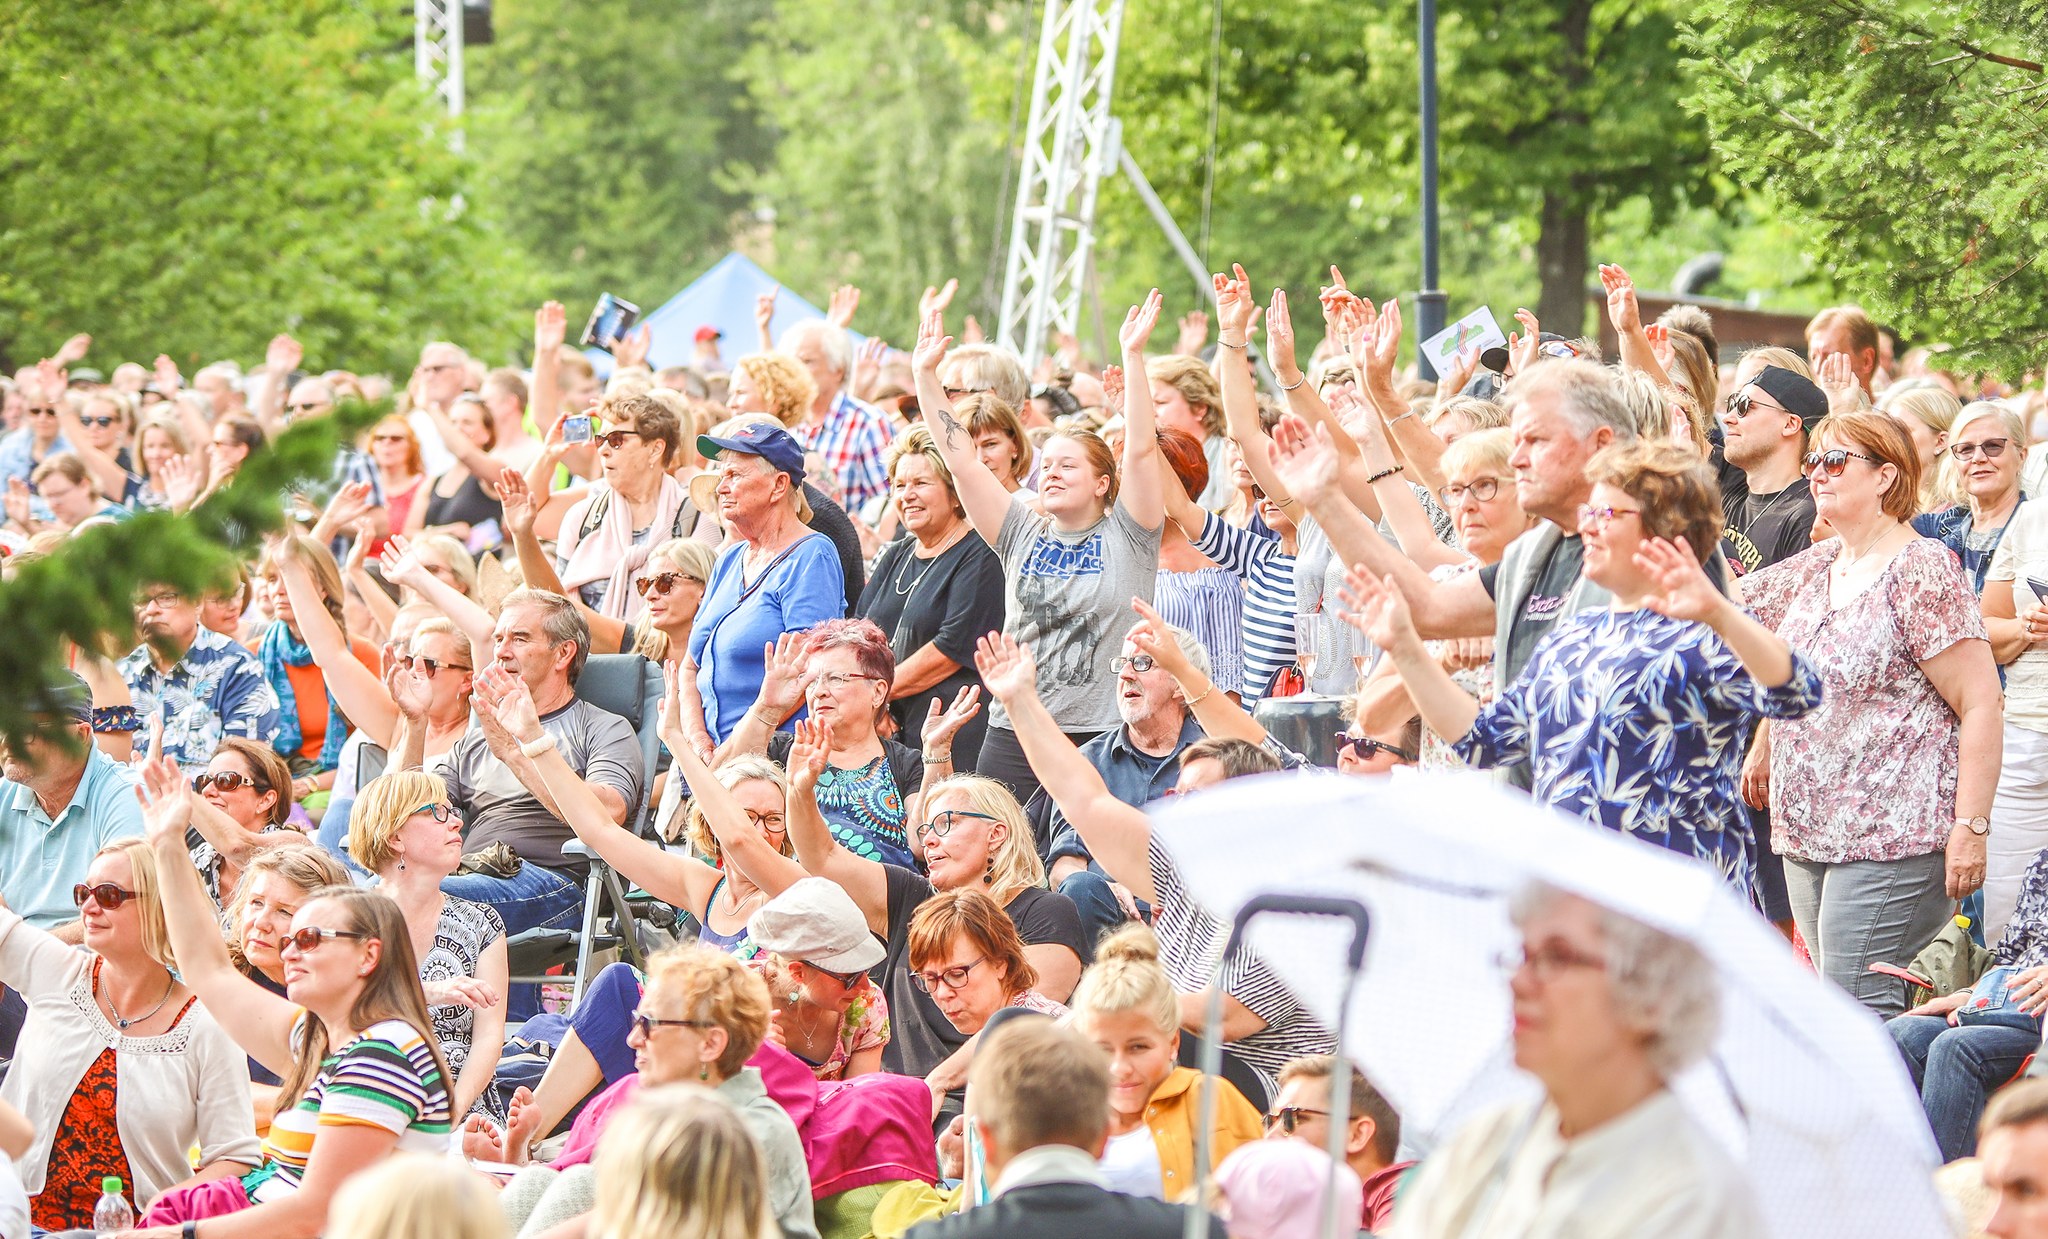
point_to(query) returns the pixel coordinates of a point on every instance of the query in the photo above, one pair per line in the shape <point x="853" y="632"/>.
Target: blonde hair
<point x="1482" y="451"/>
<point x="1781" y="357"/>
<point x="1126" y="976"/>
<point x="678" y="1160"/>
<point x="691" y="558"/>
<point x="917" y="441"/>
<point x="1196" y="385"/>
<point x="1479" y="414"/>
<point x="783" y="382"/>
<point x="319" y="561"/>
<point x="305" y="865"/>
<point x="1014" y="863"/>
<point x="460" y="561"/>
<point x="416" y="1196"/>
<point x="712" y="986"/>
<point x="149" y="899"/>
<point x="382" y="807"/>
<point x="733" y="771"/>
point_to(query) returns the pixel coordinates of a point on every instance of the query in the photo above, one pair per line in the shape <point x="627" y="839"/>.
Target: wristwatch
<point x="1979" y="825"/>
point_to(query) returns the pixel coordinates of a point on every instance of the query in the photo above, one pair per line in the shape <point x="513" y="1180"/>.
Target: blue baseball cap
<point x="771" y="443"/>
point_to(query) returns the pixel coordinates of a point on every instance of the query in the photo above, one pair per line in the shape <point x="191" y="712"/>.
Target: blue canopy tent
<point x="722" y="297"/>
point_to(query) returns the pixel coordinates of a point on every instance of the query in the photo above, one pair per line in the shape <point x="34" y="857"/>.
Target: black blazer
<point x="1063" y="1211"/>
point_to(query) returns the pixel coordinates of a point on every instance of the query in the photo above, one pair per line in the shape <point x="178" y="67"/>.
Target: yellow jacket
<point x="1173" y="1111"/>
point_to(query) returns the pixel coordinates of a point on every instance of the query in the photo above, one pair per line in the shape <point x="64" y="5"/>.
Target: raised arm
<point x="1141" y="493"/>
<point x="258" y="1020"/>
<point x="1118" y="836"/>
<point x="1303" y="399"/>
<point x="550" y="325"/>
<point x="821" y="854"/>
<point x="537" y="567"/>
<point x="1626" y="315"/>
<point x="782" y="691"/>
<point x="355" y="570"/>
<point x="356" y="689"/>
<point x="1218" y="713"/>
<point x="987" y="503"/>
<point x="1374" y="353"/>
<point x="1387" y="479"/>
<point x="402" y="567"/>
<point x="1378" y="610"/>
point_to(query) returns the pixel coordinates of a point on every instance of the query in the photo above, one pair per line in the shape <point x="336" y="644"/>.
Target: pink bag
<point x="197" y="1201"/>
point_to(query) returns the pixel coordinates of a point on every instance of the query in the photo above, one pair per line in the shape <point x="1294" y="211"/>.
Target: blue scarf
<point x="280" y="650"/>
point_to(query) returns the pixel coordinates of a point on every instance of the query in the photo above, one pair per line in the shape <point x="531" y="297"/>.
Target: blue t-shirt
<point x="41" y="859"/>
<point x="737" y="621"/>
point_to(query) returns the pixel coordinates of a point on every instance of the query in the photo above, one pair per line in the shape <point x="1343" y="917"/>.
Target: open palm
<point x="1007" y="668"/>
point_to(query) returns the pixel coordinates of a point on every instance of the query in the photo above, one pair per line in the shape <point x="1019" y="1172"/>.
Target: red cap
<point x="707" y="332"/>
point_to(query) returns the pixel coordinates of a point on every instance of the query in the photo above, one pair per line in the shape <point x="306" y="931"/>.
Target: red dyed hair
<point x="1183" y="454"/>
<point x="870" y="647"/>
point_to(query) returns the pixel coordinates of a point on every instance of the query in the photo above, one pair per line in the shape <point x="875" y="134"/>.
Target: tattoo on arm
<point x="952" y="425"/>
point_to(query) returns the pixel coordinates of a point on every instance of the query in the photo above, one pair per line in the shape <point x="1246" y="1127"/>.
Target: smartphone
<point x="2040" y="588"/>
<point x="485" y="536"/>
<point x="576" y="429"/>
<point x="609" y="322"/>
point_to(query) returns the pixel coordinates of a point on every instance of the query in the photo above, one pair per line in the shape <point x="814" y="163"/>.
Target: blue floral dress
<point x="1639" y="722"/>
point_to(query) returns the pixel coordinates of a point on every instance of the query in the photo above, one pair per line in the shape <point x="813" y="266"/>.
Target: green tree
<point x="1904" y="138"/>
<point x="193" y="176"/>
<point x="612" y="136"/>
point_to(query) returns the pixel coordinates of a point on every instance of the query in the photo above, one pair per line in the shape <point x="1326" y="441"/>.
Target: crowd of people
<point x="934" y="631"/>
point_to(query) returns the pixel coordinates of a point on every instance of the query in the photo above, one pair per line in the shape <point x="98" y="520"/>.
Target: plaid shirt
<point x="216" y="690"/>
<point x="850" y="442"/>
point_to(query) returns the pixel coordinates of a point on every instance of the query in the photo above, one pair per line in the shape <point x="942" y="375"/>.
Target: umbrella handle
<point x="1212" y="1044"/>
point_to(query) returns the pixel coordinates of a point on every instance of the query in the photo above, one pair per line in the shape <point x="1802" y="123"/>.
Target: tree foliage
<point x="1905" y="138"/>
<point x="192" y="176"/>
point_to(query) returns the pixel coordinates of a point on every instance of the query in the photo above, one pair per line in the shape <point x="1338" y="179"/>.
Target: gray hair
<point x="1191" y="646"/>
<point x="838" y="350"/>
<point x="1586" y="394"/>
<point x="1661" y="984"/>
<point x="986" y="367"/>
<point x="560" y="622"/>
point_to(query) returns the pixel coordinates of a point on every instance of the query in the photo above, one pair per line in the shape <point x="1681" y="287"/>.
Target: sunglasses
<point x="1364" y="748"/>
<point x="1140" y="663"/>
<point x="1287" y="1118"/>
<point x="427" y="667"/>
<point x="1991" y="448"/>
<point x="442" y="813"/>
<point x="661" y="583"/>
<point x="847" y="980"/>
<point x="105" y="894"/>
<point x="101" y="421"/>
<point x="1835" y="460"/>
<point x="42" y="410"/>
<point x="952" y="978"/>
<point x="1454" y="493"/>
<point x="944" y="820"/>
<point x="311" y="936"/>
<point x="647" y="1023"/>
<point x="1742" y="404"/>
<point x="615" y="439"/>
<point x="227" y="781"/>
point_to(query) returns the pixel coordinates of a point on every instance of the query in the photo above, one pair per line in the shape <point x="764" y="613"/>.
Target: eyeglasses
<point x="661" y="583"/>
<point x="105" y="894"/>
<point x="1991" y="448"/>
<point x="952" y="978"/>
<point x="1482" y="490"/>
<point x="312" y="936"/>
<point x="944" y="820"/>
<point x="1364" y="747"/>
<point x="1835" y="460"/>
<point x="158" y="598"/>
<point x="773" y="823"/>
<point x="1591" y="517"/>
<point x="101" y="421"/>
<point x="847" y="980"/>
<point x="616" y="439"/>
<point x="426" y="666"/>
<point x="1287" y="1118"/>
<point x="1742" y="404"/>
<point x="1547" y="963"/>
<point x="1140" y="663"/>
<point x="442" y="813"/>
<point x="647" y="1023"/>
<point x="836" y="681"/>
<point x="227" y="781"/>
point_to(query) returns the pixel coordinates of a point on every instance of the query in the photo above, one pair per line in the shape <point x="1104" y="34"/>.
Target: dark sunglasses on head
<point x="312" y="936"/>
<point x="1364" y="747"/>
<point x="1835" y="460"/>
<point x="1991" y="448"/>
<point x="102" y="421"/>
<point x="615" y="439"/>
<point x="1287" y="1118"/>
<point x="105" y="894"/>
<point x="427" y="667"/>
<point x="227" y="781"/>
<point x="661" y="583"/>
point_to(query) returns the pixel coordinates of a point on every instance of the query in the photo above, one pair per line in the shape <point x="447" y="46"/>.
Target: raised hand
<point x="810" y="745"/>
<point x="936" y="299"/>
<point x="971" y="332"/>
<point x="764" y="310"/>
<point x="1660" y="346"/>
<point x="284" y="355"/>
<point x="1835" y="377"/>
<point x="1234" y="305"/>
<point x="1376" y="608"/>
<point x="1385" y="347"/>
<point x="502" y="695"/>
<point x="1280" y="340"/>
<point x="1622" y="309"/>
<point x="1305" y="461"/>
<point x="1194" y="333"/>
<point x="1682" y="588"/>
<point x="1113" y="391"/>
<point x="631" y="349"/>
<point x="167" y="378"/>
<point x="941" y="725"/>
<point x="550" y="325"/>
<point x="1522" y="348"/>
<point x="867" y="366"/>
<point x="839" y="310"/>
<point x="1151" y="636"/>
<point x="1007" y="669"/>
<point x="74" y="349"/>
<point x="517" y="501"/>
<point x="165" y="795"/>
<point x="1453" y="378"/>
<point x="1139" y="321"/>
<point x="932" y="343"/>
<point x="402" y="565"/>
<point x="782" y="679"/>
<point x="349" y="505"/>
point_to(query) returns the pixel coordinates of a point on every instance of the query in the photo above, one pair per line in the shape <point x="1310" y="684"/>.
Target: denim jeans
<point x="1100" y="912"/>
<point x="536" y="897"/>
<point x="1956" y="1070"/>
<point x="332" y="836"/>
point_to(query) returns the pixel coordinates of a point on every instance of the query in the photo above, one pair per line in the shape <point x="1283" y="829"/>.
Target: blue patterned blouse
<point x="1640" y="723"/>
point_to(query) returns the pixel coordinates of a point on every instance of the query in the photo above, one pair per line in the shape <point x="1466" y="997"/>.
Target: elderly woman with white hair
<point x="1986" y="443"/>
<point x="1607" y="1012"/>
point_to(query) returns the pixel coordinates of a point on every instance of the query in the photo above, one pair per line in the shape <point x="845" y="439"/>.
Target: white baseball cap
<point x="815" y="922"/>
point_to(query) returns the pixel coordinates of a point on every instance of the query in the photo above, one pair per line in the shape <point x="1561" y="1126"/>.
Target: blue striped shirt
<point x="1269" y="598"/>
<point x="1209" y="603"/>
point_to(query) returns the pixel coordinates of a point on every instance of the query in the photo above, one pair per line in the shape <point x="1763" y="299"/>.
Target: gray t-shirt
<point x="1069" y="597"/>
<point x="497" y="808"/>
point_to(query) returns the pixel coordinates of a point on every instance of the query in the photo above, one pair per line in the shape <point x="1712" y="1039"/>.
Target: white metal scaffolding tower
<point x="437" y="51"/>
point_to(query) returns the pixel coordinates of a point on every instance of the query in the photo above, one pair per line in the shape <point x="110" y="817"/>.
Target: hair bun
<point x="1134" y="944"/>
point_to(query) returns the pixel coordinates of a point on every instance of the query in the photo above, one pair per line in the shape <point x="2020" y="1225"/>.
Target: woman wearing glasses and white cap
<point x="116" y="1057"/>
<point x="816" y="955"/>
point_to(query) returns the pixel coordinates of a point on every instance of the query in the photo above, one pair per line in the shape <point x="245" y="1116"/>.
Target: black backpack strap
<point x="593" y="516"/>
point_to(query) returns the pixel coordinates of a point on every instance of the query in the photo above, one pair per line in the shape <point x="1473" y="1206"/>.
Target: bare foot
<point x="522" y="1127"/>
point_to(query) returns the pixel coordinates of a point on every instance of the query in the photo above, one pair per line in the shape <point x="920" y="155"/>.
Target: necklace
<point x="121" y="1022"/>
<point x="1764" y="511"/>
<point x="943" y="547"/>
<point x="1846" y="563"/>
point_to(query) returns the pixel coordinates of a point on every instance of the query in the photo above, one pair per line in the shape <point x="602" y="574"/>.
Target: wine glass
<point x="1307" y="634"/>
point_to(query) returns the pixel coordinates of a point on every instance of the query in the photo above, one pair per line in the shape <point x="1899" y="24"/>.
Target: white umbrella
<point x="1803" y="1086"/>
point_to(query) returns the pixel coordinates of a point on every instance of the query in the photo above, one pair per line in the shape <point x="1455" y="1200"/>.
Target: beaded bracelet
<point x="116" y="719"/>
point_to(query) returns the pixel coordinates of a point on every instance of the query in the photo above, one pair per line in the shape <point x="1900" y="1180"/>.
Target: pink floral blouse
<point x="1871" y="773"/>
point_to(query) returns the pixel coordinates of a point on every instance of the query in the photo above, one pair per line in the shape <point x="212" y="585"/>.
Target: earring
<point x="401" y="864"/>
<point x="988" y="877"/>
<point x="794" y="996"/>
<point x="704" y="1071"/>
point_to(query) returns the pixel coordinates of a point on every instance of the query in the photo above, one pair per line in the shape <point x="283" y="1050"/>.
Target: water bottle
<point x="112" y="1214"/>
